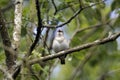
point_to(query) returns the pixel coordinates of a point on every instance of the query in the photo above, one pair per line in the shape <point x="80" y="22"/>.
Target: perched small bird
<point x="60" y="44"/>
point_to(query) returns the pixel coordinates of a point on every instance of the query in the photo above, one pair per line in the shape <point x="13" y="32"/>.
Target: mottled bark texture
<point x="9" y="52"/>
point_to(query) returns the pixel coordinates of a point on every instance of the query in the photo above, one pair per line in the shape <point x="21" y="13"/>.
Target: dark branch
<point x="74" y="15"/>
<point x="69" y="20"/>
<point x="75" y="49"/>
<point x="10" y="53"/>
<point x="80" y="9"/>
<point x="10" y="57"/>
<point x="54" y="7"/>
<point x="38" y="28"/>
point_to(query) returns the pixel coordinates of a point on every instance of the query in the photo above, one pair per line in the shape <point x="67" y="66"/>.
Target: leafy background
<point x="104" y="60"/>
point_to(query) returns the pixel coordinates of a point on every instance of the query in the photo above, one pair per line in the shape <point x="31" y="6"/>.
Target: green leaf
<point x="115" y="4"/>
<point x="62" y="6"/>
<point x="117" y="22"/>
<point x="23" y="31"/>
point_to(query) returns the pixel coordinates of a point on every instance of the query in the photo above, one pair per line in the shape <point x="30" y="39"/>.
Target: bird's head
<point x="60" y="33"/>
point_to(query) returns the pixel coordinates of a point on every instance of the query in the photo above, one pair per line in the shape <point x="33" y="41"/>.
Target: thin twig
<point x="79" y="68"/>
<point x="74" y="15"/>
<point x="52" y="67"/>
<point x="77" y="12"/>
<point x="87" y="28"/>
<point x="108" y="73"/>
<point x="33" y="73"/>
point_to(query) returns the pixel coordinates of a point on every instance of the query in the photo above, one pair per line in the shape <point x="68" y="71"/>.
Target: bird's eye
<point x="60" y="31"/>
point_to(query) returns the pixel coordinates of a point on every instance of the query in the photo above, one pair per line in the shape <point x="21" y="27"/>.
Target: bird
<point x="60" y="43"/>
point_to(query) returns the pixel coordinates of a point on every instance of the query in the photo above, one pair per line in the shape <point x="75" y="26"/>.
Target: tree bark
<point x="9" y="52"/>
<point x="17" y="24"/>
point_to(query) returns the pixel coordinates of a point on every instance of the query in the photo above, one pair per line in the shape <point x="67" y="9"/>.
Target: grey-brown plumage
<point x="60" y="44"/>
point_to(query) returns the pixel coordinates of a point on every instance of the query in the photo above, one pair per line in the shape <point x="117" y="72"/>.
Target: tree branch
<point x="108" y="73"/>
<point x="6" y="73"/>
<point x="77" y="12"/>
<point x="54" y="7"/>
<point x="78" y="48"/>
<point x="17" y="33"/>
<point x="38" y="28"/>
<point x="10" y="57"/>
<point x="74" y="15"/>
<point x="87" y="28"/>
<point x="17" y="24"/>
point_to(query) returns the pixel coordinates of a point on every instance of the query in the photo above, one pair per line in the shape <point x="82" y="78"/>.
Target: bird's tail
<point x="62" y="60"/>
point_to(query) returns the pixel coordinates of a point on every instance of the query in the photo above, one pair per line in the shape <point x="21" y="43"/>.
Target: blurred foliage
<point x="105" y="59"/>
